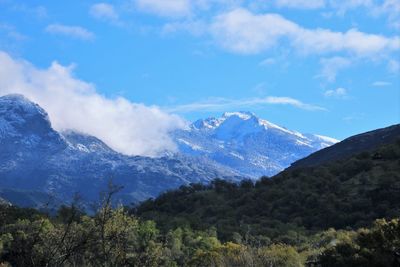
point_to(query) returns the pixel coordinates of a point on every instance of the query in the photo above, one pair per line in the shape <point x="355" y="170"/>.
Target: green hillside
<point x="348" y="193"/>
<point x="342" y="213"/>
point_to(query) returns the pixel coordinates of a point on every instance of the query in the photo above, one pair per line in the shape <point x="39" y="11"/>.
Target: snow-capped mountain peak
<point x="209" y="123"/>
<point x="16" y="111"/>
<point x="25" y="122"/>
<point x="240" y="123"/>
<point x="244" y="142"/>
<point x="237" y="125"/>
<point x="20" y="103"/>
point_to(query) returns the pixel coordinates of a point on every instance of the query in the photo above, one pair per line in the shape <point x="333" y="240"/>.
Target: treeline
<point x="319" y="216"/>
<point x="290" y="206"/>
<point x="112" y="237"/>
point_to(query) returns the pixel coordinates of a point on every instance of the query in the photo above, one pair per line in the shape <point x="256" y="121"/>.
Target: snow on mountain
<point x="247" y="144"/>
<point x="16" y="112"/>
<point x="36" y="158"/>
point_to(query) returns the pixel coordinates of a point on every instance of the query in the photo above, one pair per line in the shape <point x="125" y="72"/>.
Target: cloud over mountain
<point x="130" y="128"/>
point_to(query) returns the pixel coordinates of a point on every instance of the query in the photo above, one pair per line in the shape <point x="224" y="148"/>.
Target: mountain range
<point x="249" y="145"/>
<point x="37" y="161"/>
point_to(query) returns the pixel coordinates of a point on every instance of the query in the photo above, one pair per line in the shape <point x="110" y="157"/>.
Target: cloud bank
<point x="130" y="128"/>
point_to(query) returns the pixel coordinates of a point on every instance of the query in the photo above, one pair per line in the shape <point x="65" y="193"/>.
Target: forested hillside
<point x="341" y="194"/>
<point x="342" y="213"/>
<point x="112" y="237"/>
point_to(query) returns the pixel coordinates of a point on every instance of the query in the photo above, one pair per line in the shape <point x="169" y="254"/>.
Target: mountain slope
<point x="36" y="158"/>
<point x="250" y="145"/>
<point x="350" y="192"/>
<point x="350" y="146"/>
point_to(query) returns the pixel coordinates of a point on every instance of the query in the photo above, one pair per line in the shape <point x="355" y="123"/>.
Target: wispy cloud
<point x="70" y="31"/>
<point x="381" y="83"/>
<point x="194" y="27"/>
<point x="336" y="93"/>
<point x="104" y="11"/>
<point x="223" y="104"/>
<point x="38" y="12"/>
<point x="267" y="62"/>
<point x="331" y="66"/>
<point x="12" y="33"/>
<point x="388" y="8"/>
<point x="391" y="8"/>
<point x="170" y="8"/>
<point x="385" y="8"/>
<point x="301" y="4"/>
<point x="130" y="128"/>
<point x="353" y="117"/>
<point x="341" y="7"/>
<point x="394" y="66"/>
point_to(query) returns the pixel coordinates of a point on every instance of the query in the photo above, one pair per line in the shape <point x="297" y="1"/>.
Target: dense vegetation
<point x="348" y="193"/>
<point x="320" y="216"/>
<point x="112" y="237"/>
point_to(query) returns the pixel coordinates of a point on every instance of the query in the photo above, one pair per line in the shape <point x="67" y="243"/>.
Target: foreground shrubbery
<point x="112" y="237"/>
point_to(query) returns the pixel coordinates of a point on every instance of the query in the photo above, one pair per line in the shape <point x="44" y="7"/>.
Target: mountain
<point x="4" y="202"/>
<point x="247" y="144"/>
<point x="36" y="159"/>
<point x="350" y="146"/>
<point x="348" y="192"/>
<point x="40" y="162"/>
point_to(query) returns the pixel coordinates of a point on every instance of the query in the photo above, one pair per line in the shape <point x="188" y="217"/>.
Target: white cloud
<point x="353" y="41"/>
<point x="381" y="83"/>
<point x="394" y="66"/>
<point x="331" y="66"/>
<point x="336" y="93"/>
<point x="343" y="6"/>
<point x="387" y="8"/>
<point x="301" y="4"/>
<point x="354" y="117"/>
<point x="267" y="62"/>
<point x="127" y="127"/>
<point x="168" y="8"/>
<point x="39" y="12"/>
<point x="71" y="31"/>
<point x="242" y="31"/>
<point x="195" y="28"/>
<point x="103" y="11"/>
<point x="289" y="101"/>
<point x="184" y="8"/>
<point x="392" y="10"/>
<point x="11" y="32"/>
<point x="223" y="104"/>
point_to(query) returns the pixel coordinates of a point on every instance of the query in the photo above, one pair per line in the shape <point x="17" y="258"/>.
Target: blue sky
<point x="318" y="66"/>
